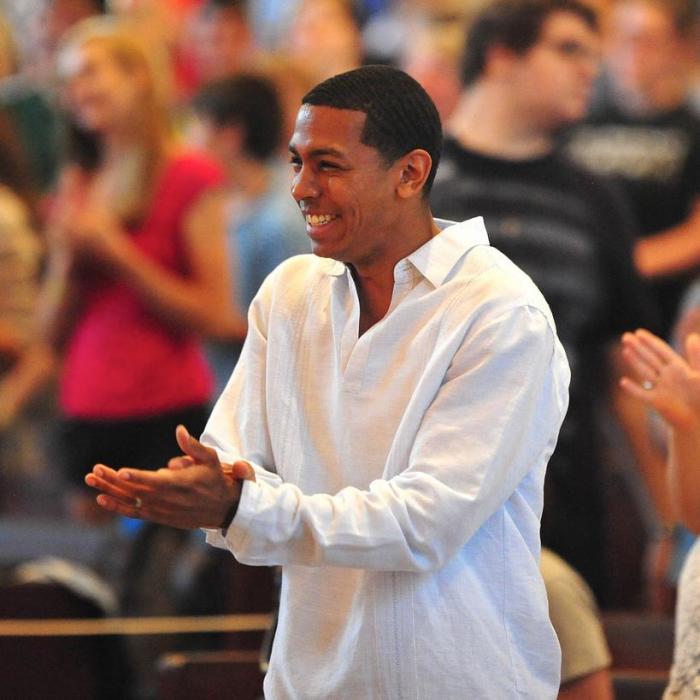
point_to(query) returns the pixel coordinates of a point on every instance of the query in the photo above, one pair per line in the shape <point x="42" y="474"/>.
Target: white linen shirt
<point x="400" y="475"/>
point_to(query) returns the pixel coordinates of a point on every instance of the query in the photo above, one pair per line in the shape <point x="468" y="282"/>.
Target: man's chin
<point x="321" y="251"/>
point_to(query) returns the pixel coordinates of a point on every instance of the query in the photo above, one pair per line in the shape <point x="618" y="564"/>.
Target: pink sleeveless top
<point x="122" y="361"/>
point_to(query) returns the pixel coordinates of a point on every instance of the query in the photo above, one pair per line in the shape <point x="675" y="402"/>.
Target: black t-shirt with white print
<point x="656" y="163"/>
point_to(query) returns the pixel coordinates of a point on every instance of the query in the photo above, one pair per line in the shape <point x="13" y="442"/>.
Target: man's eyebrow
<point x="320" y="152"/>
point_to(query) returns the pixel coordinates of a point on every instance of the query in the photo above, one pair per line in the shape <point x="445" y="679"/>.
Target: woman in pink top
<point x="137" y="270"/>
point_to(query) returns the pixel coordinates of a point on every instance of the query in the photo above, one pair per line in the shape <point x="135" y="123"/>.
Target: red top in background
<point x="121" y="360"/>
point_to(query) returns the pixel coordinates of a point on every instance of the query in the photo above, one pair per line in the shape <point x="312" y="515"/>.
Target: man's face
<point x="554" y="77"/>
<point x="644" y="51"/>
<point x="345" y="191"/>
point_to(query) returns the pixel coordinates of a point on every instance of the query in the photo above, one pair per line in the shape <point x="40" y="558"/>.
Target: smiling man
<point x="385" y="434"/>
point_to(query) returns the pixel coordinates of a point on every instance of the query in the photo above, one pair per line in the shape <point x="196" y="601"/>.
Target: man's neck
<point x="374" y="278"/>
<point x="488" y="121"/>
<point x="374" y="294"/>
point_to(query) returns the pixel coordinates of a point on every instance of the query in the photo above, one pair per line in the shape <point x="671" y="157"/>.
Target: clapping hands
<point x="666" y="381"/>
<point x="195" y="490"/>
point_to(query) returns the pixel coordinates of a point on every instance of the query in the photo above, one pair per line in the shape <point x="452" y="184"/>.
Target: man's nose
<point x="304" y="185"/>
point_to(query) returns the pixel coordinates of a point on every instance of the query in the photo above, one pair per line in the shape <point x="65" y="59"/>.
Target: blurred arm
<point x="203" y="302"/>
<point x="671" y="251"/>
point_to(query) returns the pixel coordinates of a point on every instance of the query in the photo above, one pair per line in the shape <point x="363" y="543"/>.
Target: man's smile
<point x="319" y="219"/>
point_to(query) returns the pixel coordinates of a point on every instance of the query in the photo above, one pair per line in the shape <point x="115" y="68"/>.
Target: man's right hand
<point x="194" y="491"/>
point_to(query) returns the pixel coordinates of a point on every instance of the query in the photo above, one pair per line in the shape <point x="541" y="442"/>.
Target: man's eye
<point x="327" y="165"/>
<point x="295" y="163"/>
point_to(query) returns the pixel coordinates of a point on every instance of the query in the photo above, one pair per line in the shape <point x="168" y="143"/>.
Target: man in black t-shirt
<point x="527" y="72"/>
<point x="642" y="133"/>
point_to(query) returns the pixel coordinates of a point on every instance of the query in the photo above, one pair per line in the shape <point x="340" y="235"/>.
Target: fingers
<point x="107" y="480"/>
<point x="648" y="355"/>
<point x="194" y="448"/>
<point x="663" y="352"/>
<point x="117" y="496"/>
<point x="133" y="508"/>
<point x="638" y="392"/>
<point x="127" y="492"/>
<point x="692" y="350"/>
<point x="129" y="483"/>
<point x="182" y="437"/>
<point x="242" y="470"/>
<point x="638" y="358"/>
<point x="153" y="480"/>
<point x="180" y="462"/>
<point x="121" y="506"/>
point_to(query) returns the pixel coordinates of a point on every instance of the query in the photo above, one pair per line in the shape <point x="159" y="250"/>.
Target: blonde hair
<point x="9" y="51"/>
<point x="137" y="173"/>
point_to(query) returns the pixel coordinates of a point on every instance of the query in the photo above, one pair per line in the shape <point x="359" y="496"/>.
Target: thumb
<point x="194" y="448"/>
<point x="242" y="470"/>
<point x="692" y="349"/>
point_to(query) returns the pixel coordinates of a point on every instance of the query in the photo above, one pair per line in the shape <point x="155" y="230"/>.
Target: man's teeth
<point x="319" y="219"/>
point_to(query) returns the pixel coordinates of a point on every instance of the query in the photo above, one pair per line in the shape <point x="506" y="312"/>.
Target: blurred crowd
<point x="144" y="197"/>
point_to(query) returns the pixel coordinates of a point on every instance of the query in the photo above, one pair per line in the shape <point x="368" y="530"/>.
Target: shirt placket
<point x="358" y="350"/>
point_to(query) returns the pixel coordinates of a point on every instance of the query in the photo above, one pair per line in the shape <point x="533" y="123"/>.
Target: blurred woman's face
<point x="102" y="94"/>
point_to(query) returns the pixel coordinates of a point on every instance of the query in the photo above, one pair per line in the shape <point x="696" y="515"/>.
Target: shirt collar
<point x="334" y="267"/>
<point x="436" y="258"/>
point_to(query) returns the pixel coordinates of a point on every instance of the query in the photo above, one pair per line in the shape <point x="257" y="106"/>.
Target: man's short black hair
<point x="248" y="101"/>
<point x="400" y="114"/>
<point x="514" y="25"/>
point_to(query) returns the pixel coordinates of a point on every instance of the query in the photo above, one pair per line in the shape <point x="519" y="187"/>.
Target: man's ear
<point x="414" y="169"/>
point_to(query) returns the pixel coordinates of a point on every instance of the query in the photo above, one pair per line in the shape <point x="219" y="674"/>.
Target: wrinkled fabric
<point x="400" y="475"/>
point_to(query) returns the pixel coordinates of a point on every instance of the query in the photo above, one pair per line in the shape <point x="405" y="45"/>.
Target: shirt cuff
<point x="238" y="533"/>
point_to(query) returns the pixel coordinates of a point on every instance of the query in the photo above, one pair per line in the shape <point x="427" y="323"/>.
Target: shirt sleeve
<point x="237" y="428"/>
<point x="494" y="420"/>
